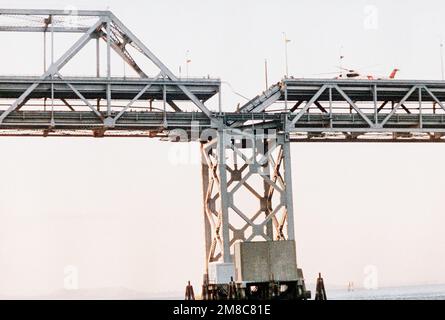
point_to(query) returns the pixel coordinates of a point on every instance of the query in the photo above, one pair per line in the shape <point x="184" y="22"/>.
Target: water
<point x="424" y="292"/>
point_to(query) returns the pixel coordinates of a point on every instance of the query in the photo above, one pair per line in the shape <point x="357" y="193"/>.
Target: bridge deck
<point x="362" y="90"/>
<point x="159" y="124"/>
<point x="96" y="88"/>
<point x="314" y="108"/>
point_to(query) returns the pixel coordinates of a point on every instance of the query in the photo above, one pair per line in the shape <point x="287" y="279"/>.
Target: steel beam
<point x="46" y="12"/>
<point x="43" y="29"/>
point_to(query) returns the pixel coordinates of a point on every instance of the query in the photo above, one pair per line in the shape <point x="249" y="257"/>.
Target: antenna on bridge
<point x="286" y="42"/>
<point x="265" y="73"/>
<point x="187" y="62"/>
<point x="441" y="58"/>
<point x="341" y="57"/>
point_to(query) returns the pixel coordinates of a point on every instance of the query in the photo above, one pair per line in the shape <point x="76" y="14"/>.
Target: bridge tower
<point x="247" y="195"/>
<point x="240" y="167"/>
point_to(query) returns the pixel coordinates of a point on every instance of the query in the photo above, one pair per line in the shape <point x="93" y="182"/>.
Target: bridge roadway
<point x="307" y="109"/>
<point x="153" y="124"/>
<point x="12" y="87"/>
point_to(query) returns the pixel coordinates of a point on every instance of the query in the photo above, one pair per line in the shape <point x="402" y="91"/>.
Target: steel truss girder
<point x="256" y="167"/>
<point x="163" y="68"/>
<point x="365" y="124"/>
<point x="46" y="12"/>
<point x="55" y="67"/>
<point x="353" y="108"/>
<point x="109" y="28"/>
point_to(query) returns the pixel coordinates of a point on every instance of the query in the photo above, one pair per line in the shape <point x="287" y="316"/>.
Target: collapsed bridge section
<point x="355" y="110"/>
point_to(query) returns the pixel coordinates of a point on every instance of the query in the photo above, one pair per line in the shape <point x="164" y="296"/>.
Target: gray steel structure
<point x="247" y="150"/>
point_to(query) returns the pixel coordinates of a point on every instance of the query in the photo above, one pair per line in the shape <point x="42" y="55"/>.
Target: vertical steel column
<point x="374" y="95"/>
<point x="288" y="188"/>
<point x="222" y="173"/>
<point x="52" y="75"/>
<point x="44" y="52"/>
<point x="285" y="98"/>
<point x="98" y="66"/>
<point x="207" y="226"/>
<point x="420" y="108"/>
<point x="98" y="56"/>
<point x="331" y="124"/>
<point x="265" y="202"/>
<point x="164" y="104"/>
<point x="109" y="67"/>
<point x="220" y="100"/>
<point x="44" y="61"/>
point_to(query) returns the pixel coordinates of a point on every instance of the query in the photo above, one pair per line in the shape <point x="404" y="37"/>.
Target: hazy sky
<point x="126" y="215"/>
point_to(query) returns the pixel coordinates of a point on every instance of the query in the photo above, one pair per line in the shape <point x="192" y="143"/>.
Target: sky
<point x="125" y="214"/>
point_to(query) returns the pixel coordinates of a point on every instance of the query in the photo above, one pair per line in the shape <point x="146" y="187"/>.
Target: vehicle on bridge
<point x="353" y="74"/>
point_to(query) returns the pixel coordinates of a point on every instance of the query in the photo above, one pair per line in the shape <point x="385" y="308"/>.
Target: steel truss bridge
<point x="245" y="152"/>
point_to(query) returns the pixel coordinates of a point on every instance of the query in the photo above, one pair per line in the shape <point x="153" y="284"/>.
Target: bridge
<point x="245" y="152"/>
